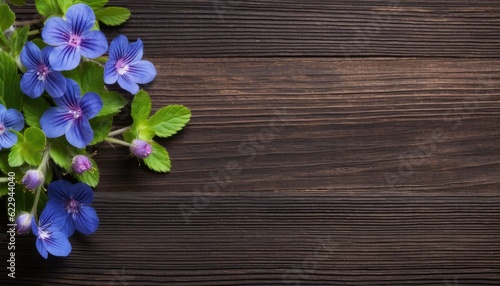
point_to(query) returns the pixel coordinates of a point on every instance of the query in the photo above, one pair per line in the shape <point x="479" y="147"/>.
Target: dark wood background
<point x="332" y="143"/>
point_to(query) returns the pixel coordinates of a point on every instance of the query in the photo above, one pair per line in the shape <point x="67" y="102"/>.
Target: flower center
<point x="74" y="41"/>
<point x="42" y="72"/>
<point x="76" y="113"/>
<point x="2" y="129"/>
<point x="121" y="67"/>
<point x="72" y="206"/>
<point x="42" y="234"/>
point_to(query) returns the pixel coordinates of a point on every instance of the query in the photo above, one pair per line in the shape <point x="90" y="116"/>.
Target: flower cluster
<point x="61" y="84"/>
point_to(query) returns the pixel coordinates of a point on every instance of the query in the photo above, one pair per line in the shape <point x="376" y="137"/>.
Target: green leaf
<point x="101" y="126"/>
<point x="64" y="4"/>
<point x="91" y="177"/>
<point x="113" y="16"/>
<point x="112" y="101"/>
<point x="26" y="198"/>
<point x="61" y="153"/>
<point x="48" y="7"/>
<point x="7" y="17"/>
<point x="17" y="41"/>
<point x="33" y="110"/>
<point x="169" y="120"/>
<point x="17" y="2"/>
<point x="141" y="107"/>
<point x="89" y="76"/>
<point x="28" y="148"/>
<point x="94" y="4"/>
<point x="158" y="160"/>
<point x="10" y="91"/>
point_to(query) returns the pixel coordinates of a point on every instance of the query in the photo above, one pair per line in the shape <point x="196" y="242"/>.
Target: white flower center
<point x="42" y="234"/>
<point x="121" y="67"/>
<point x="76" y="113"/>
<point x="42" y="72"/>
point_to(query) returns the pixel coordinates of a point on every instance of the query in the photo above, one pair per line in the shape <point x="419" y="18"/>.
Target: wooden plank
<point x="345" y="28"/>
<point x="281" y="124"/>
<point x="357" y="237"/>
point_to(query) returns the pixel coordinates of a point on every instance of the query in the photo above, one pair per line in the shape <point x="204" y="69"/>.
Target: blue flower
<point x="75" y="200"/>
<point x="40" y="76"/>
<point x="73" y="37"/>
<point x="71" y="116"/>
<point x="10" y="119"/>
<point x="125" y="65"/>
<point x="50" y="238"/>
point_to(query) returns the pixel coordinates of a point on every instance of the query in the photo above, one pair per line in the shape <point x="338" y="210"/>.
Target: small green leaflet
<point x="61" y="153"/>
<point x="10" y="90"/>
<point x="33" y="110"/>
<point x="169" y="120"/>
<point x="28" y="148"/>
<point x="141" y="106"/>
<point x="158" y="160"/>
<point x="113" y="16"/>
<point x="25" y="199"/>
<point x="7" y="17"/>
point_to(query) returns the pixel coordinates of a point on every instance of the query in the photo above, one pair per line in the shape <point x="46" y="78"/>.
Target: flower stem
<point x="45" y="159"/>
<point x="119" y="131"/>
<point x="4" y="180"/>
<point x="116" y="141"/>
<point x="37" y="198"/>
<point x="29" y="23"/>
<point x="33" y="32"/>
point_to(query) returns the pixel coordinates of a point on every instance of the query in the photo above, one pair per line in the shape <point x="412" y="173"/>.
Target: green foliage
<point x="141" y="106"/>
<point x="10" y="90"/>
<point x="28" y="148"/>
<point x="48" y="7"/>
<point x="33" y="110"/>
<point x="62" y="153"/>
<point x="64" y="4"/>
<point x="169" y="120"/>
<point x="94" y="4"/>
<point x="158" y="160"/>
<point x="17" y="41"/>
<point x="101" y="126"/>
<point x="89" y="76"/>
<point x="112" y="101"/>
<point x="113" y="16"/>
<point x="17" y="2"/>
<point x="7" y="18"/>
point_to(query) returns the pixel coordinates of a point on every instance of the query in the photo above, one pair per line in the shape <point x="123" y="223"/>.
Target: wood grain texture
<point x="222" y="28"/>
<point x="331" y="143"/>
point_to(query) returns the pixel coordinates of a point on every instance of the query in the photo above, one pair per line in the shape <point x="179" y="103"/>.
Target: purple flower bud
<point x="81" y="164"/>
<point x="140" y="148"/>
<point x="23" y="223"/>
<point x="32" y="179"/>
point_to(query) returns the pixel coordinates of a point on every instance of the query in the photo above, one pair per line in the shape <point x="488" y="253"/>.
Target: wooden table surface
<point x="332" y="143"/>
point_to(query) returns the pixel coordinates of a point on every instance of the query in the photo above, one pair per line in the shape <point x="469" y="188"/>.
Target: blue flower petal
<point x="110" y="73"/>
<point x="2" y="110"/>
<point x="71" y="98"/>
<point x="31" y="85"/>
<point x="69" y="227"/>
<point x="128" y="84"/>
<point x="53" y="215"/>
<point x="57" y="244"/>
<point x="80" y="134"/>
<point x="31" y="56"/>
<point x="55" y="122"/>
<point x="55" y="83"/>
<point x="134" y="52"/>
<point x="8" y="139"/>
<point x="56" y="31"/>
<point x="13" y="119"/>
<point x="64" y="57"/>
<point x="91" y="104"/>
<point x="142" y="72"/>
<point x="82" y="193"/>
<point x="118" y="47"/>
<point x="86" y="221"/>
<point x="94" y="44"/>
<point x="59" y="191"/>
<point x="40" y="246"/>
<point x="45" y="55"/>
<point x="81" y="18"/>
